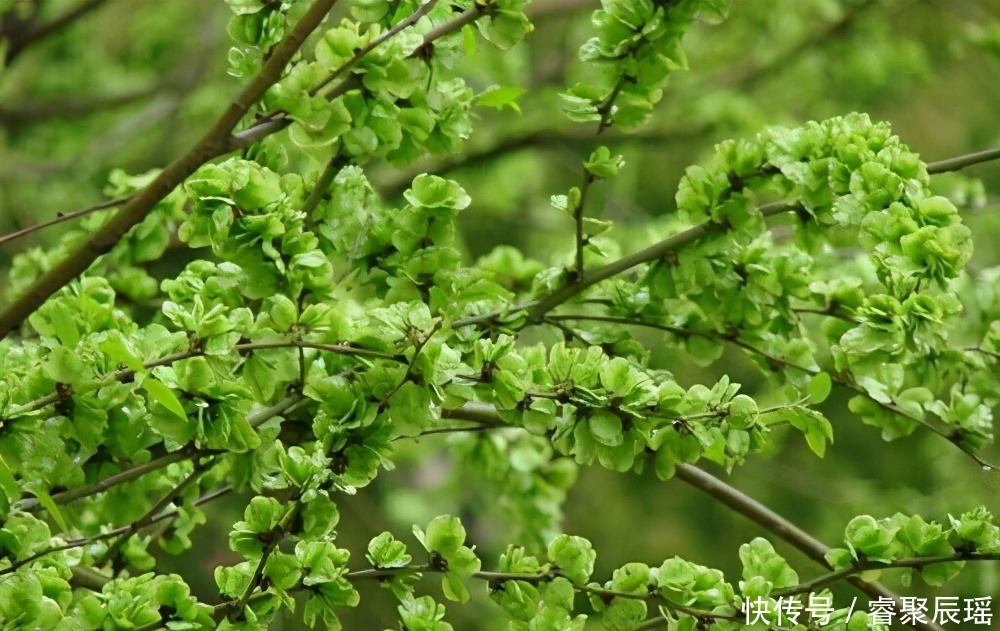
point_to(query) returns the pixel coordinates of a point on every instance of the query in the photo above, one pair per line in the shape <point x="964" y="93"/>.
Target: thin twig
<point x="63" y="217"/>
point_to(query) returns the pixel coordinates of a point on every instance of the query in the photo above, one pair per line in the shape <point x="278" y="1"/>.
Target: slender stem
<point x="654" y="252"/>
<point x="128" y="374"/>
<point x="93" y="580"/>
<point x="960" y="162"/>
<point x="938" y="428"/>
<point x="154" y="515"/>
<point x="61" y="218"/>
<point x="402" y="25"/>
<point x="865" y="566"/>
<point x="277" y="121"/>
<point x="413" y="361"/>
<point x="236" y="610"/>
<point x="470" y="15"/>
<point x="112" y="551"/>
<point x="501" y="577"/>
<point x="322" y="186"/>
<point x="212" y="144"/>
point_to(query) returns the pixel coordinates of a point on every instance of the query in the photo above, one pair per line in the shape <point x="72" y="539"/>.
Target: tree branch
<point x="654" y="252"/>
<point x="91" y="579"/>
<point x="212" y="144"/>
<point x="961" y="162"/>
<point x="277" y="121"/>
<point x="37" y="32"/>
<point x="784" y="529"/>
<point x="63" y="217"/>
<point x="866" y="566"/>
<point x="129" y="374"/>
<point x="734" y="499"/>
<point x="70" y="495"/>
<point x="941" y="429"/>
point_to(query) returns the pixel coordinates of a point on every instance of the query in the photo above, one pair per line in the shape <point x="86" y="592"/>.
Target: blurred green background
<point x="135" y="82"/>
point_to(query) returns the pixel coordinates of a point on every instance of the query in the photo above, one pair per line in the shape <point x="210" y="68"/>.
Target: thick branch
<point x="784" y="529"/>
<point x="212" y="144"/>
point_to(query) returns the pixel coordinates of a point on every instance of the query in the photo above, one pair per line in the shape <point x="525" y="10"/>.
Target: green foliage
<point x="317" y="332"/>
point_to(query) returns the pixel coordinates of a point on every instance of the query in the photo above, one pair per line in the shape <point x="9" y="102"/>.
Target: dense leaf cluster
<point x="322" y="327"/>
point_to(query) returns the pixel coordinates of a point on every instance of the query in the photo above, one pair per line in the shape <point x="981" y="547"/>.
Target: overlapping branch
<point x="742" y="504"/>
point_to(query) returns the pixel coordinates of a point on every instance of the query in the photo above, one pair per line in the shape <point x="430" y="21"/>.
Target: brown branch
<point x="654" y="252"/>
<point x="939" y="428"/>
<point x="128" y="374"/>
<point x="92" y="579"/>
<point x="214" y="143"/>
<point x="277" y="121"/>
<point x="784" y="529"/>
<point x="402" y="25"/>
<point x="960" y="162"/>
<point x="731" y="497"/>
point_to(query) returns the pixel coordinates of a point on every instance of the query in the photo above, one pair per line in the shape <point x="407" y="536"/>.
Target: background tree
<point x="286" y="278"/>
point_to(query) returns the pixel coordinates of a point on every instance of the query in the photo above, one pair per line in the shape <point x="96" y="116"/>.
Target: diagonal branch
<point x="212" y="144"/>
<point x="784" y="529"/>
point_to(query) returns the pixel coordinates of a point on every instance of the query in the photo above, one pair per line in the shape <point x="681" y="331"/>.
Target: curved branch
<point x="941" y="429"/>
<point x="94" y="579"/>
<point x="277" y="121"/>
<point x="129" y="374"/>
<point x="960" y="162"/>
<point x="654" y="252"/>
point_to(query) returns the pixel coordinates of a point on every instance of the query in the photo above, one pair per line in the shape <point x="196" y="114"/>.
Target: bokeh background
<point x="134" y="82"/>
